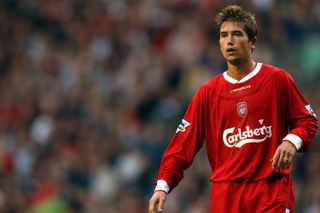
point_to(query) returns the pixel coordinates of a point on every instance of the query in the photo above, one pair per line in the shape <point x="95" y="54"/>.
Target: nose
<point x="230" y="39"/>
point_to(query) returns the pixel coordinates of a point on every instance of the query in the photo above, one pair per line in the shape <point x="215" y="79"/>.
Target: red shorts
<point x="274" y="195"/>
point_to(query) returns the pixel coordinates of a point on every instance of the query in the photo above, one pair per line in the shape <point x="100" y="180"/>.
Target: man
<point x="253" y="119"/>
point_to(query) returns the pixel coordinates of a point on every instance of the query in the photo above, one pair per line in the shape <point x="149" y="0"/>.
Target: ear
<point x="253" y="42"/>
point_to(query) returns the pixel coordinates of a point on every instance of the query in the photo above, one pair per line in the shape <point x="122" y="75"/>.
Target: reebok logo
<point x="182" y="126"/>
<point x="310" y="110"/>
<point x="241" y="88"/>
<point x="233" y="137"/>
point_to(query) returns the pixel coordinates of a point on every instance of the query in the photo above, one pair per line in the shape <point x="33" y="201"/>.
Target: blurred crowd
<point x="92" y="91"/>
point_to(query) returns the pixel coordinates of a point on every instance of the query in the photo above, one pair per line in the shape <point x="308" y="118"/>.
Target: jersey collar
<point x="245" y="78"/>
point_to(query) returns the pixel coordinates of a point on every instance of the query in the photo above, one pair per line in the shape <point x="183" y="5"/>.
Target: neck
<point x="238" y="71"/>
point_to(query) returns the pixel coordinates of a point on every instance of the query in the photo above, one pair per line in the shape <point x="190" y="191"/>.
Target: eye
<point x="222" y="35"/>
<point x="238" y="33"/>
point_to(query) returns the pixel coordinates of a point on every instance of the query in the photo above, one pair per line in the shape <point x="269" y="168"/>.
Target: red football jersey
<point x="242" y="123"/>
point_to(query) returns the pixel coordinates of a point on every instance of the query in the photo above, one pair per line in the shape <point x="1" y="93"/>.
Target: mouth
<point x="231" y="50"/>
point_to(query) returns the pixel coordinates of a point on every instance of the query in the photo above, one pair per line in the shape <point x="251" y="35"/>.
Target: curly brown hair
<point x="235" y="13"/>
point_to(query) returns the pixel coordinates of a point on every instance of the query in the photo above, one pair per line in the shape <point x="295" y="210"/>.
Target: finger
<point x="285" y="161"/>
<point x="288" y="165"/>
<point x="275" y="159"/>
<point x="161" y="204"/>
<point x="151" y="208"/>
<point x="290" y="159"/>
<point x="280" y="161"/>
<point x="285" y="164"/>
<point x="152" y="204"/>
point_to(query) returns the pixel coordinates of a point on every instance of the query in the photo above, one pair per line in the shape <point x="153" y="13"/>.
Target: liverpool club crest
<point x="242" y="109"/>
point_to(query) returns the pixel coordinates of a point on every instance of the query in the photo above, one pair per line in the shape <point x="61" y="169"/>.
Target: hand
<point x="158" y="198"/>
<point x="283" y="157"/>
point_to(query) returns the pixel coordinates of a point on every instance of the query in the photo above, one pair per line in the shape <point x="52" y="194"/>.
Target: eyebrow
<point x="233" y="31"/>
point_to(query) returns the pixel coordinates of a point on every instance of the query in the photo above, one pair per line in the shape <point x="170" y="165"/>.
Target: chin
<point x="234" y="61"/>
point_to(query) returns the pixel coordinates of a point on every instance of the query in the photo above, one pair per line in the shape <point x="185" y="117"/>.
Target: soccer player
<point x="253" y="119"/>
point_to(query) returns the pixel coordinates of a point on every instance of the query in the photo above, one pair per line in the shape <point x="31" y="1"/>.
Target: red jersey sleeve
<point x="186" y="142"/>
<point x="302" y="120"/>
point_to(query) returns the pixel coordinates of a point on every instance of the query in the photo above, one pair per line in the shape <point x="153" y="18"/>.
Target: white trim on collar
<point x="245" y="78"/>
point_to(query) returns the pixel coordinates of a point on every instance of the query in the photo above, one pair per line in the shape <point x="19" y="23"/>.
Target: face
<point x="234" y="43"/>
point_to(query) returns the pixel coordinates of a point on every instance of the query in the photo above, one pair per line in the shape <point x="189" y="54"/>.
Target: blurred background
<point x="92" y="91"/>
